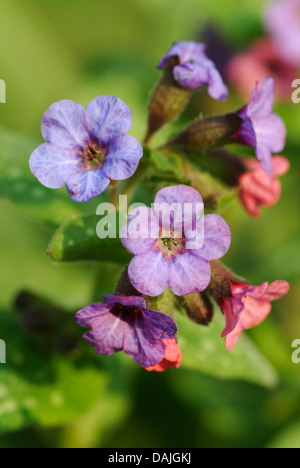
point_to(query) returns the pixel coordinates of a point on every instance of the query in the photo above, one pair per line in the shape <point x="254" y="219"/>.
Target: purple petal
<point x="189" y="274"/>
<point x="186" y="203"/>
<point x="141" y="231"/>
<point x="194" y="75"/>
<point x="178" y="194"/>
<point x="122" y="158"/>
<point x="108" y="117"/>
<point x="52" y="165"/>
<point x="63" y="125"/>
<point x="92" y="315"/>
<point x="264" y="155"/>
<point x="86" y="185"/>
<point x="115" y="333"/>
<point x="137" y="301"/>
<point x="185" y="51"/>
<point x="149" y="273"/>
<point x="191" y="75"/>
<point x="141" y="346"/>
<point x="216" y="87"/>
<point x="107" y="337"/>
<point x="217" y="238"/>
<point x="262" y="101"/>
<point x="161" y="325"/>
<point x="271" y="132"/>
<point x="246" y="132"/>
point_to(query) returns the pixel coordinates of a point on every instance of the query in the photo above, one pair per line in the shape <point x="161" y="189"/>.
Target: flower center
<point x="170" y="245"/>
<point x="93" y="156"/>
<point x="125" y="313"/>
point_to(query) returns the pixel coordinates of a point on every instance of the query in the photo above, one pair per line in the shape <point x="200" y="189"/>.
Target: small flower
<point x="163" y="253"/>
<point x="124" y="323"/>
<point x="85" y="148"/>
<point x="259" y="189"/>
<point x="282" y="19"/>
<point x="261" y="60"/>
<point x="195" y="69"/>
<point x="260" y="127"/>
<point x="173" y="357"/>
<point x="248" y="307"/>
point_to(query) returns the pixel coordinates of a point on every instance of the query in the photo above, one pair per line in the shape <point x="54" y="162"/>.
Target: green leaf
<point x="169" y="166"/>
<point x="77" y="239"/>
<point x="203" y="350"/>
<point x="288" y="438"/>
<point x="39" y="388"/>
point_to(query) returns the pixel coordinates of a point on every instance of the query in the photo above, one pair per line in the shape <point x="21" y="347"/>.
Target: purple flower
<point x="195" y="69"/>
<point x="261" y="128"/>
<point x="166" y="253"/>
<point x="124" y="323"/>
<point x="282" y="20"/>
<point x="85" y="148"/>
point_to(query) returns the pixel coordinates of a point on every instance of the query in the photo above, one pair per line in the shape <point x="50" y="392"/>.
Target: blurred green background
<point x="79" y="49"/>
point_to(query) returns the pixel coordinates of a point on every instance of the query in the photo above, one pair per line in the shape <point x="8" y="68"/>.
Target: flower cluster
<point x="175" y="245"/>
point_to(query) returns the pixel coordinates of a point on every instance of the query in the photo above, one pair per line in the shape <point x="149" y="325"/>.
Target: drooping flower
<point x="259" y="189"/>
<point x="125" y="323"/>
<point x="260" y="127"/>
<point x="260" y="60"/>
<point x="172" y="357"/>
<point x="85" y="148"/>
<point x="282" y="19"/>
<point x="248" y="307"/>
<point x="172" y="246"/>
<point x="195" y="69"/>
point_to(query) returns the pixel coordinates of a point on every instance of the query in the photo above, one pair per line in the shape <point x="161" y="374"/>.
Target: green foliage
<point x="77" y="240"/>
<point x="203" y="350"/>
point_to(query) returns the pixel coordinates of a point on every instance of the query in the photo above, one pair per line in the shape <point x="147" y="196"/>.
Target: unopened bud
<point x="206" y="134"/>
<point x="168" y="100"/>
<point x="221" y="280"/>
<point x="198" y="307"/>
<point x="124" y="286"/>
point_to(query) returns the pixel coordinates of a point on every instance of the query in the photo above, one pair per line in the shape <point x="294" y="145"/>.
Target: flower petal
<point x="141" y="346"/>
<point x="86" y="185"/>
<point x="276" y="290"/>
<point x="52" y="165"/>
<point x="149" y="273"/>
<point x="64" y="125"/>
<point x="185" y="51"/>
<point x="262" y="101"/>
<point x="122" y="158"/>
<point x="92" y="315"/>
<point x="141" y="231"/>
<point x="161" y="325"/>
<point x="264" y="155"/>
<point x="232" y="308"/>
<point x="216" y="89"/>
<point x="184" y="203"/>
<point x="189" y="274"/>
<point x="281" y="165"/>
<point x="217" y="238"/>
<point x="246" y="132"/>
<point x="270" y="132"/>
<point x="137" y="301"/>
<point x="191" y="75"/>
<point x="108" y="117"/>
